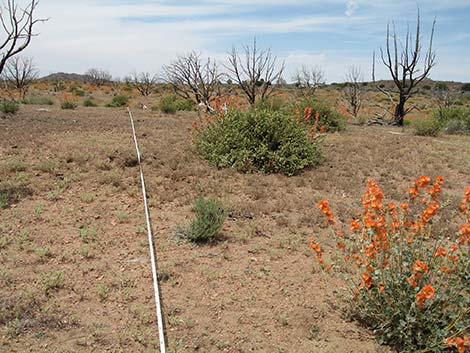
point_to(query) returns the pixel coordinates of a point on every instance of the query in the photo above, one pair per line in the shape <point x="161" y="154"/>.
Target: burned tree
<point x="403" y="65"/>
<point x="17" y="24"/>
<point x="256" y="73"/>
<point x="98" y="77"/>
<point x="144" y="82"/>
<point x="308" y="79"/>
<point x="445" y="96"/>
<point x="191" y="77"/>
<point x="19" y="73"/>
<point x="352" y="93"/>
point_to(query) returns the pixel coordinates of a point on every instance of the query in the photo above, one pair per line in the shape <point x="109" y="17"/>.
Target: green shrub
<point x="172" y="103"/>
<point x="210" y="216"/>
<point x="77" y="91"/>
<point x="68" y="105"/>
<point x="258" y="140"/>
<point x="426" y="127"/>
<point x="453" y="120"/>
<point x="330" y="120"/>
<point x="9" y="107"/>
<point x="465" y="87"/>
<point x="118" y="101"/>
<point x="274" y="103"/>
<point x="89" y="103"/>
<point x="37" y="100"/>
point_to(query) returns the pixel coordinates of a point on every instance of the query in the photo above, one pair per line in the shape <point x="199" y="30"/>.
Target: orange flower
<point x="427" y="292"/>
<point x="423" y="181"/>
<point x="355" y="225"/>
<point x="412" y="281"/>
<point x="316" y="247"/>
<point x="420" y="266"/>
<point x="440" y="252"/>
<point x="440" y="179"/>
<point x="366" y="280"/>
<point x="457" y="342"/>
<point x="445" y="269"/>
<point x="340" y="245"/>
<point x="324" y="207"/>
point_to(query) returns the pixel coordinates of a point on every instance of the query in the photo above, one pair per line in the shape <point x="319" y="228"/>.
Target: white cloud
<point x="351" y="7"/>
<point x="93" y="33"/>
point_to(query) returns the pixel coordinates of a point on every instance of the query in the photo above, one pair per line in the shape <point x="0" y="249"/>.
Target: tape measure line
<point x="158" y="308"/>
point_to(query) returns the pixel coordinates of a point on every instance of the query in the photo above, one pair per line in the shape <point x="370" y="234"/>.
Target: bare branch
<point x="257" y="74"/>
<point x="402" y="65"/>
<point x="17" y="25"/>
<point x="192" y="77"/>
<point x="20" y="72"/>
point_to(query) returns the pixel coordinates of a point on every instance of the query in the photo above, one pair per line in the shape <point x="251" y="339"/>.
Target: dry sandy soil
<point x="75" y="275"/>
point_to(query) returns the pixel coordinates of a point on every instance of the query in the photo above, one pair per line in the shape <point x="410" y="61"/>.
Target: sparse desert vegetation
<point x="241" y="169"/>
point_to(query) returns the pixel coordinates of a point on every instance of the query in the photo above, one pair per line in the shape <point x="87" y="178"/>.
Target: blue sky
<point x="143" y="35"/>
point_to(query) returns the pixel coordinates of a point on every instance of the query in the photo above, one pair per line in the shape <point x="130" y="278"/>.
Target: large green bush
<point x="172" y="103"/>
<point x="330" y="120"/>
<point x="210" y="216"/>
<point x="258" y="140"/>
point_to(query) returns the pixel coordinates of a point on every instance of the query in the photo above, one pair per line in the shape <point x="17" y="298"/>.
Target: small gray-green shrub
<point x="36" y="100"/>
<point x="118" y="101"/>
<point x="89" y="103"/>
<point x="9" y="107"/>
<point x="172" y="103"/>
<point x="68" y="105"/>
<point x="453" y="120"/>
<point x="274" y="103"/>
<point x="258" y="140"/>
<point x="329" y="119"/>
<point x="426" y="127"/>
<point x="210" y="216"/>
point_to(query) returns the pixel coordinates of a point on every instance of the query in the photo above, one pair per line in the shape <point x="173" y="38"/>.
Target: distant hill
<point x="62" y="76"/>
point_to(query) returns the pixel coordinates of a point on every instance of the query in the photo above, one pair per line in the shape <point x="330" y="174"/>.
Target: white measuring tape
<point x="158" y="308"/>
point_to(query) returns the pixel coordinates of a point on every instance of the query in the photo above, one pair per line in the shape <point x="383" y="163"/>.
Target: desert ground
<point x="75" y="272"/>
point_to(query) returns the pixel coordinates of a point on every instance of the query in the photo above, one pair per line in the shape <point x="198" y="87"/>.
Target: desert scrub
<point x="453" y="120"/>
<point x="172" y="103"/>
<point x="409" y="284"/>
<point x="257" y="140"/>
<point x="426" y="127"/>
<point x="274" y="103"/>
<point x="118" y="101"/>
<point x="329" y="120"/>
<point x="68" y="105"/>
<point x="9" y="107"/>
<point x="89" y="103"/>
<point x="210" y="216"/>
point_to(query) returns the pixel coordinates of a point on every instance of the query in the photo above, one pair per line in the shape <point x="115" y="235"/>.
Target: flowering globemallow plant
<point x="409" y="284"/>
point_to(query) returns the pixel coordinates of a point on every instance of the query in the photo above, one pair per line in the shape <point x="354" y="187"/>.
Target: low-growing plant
<point x="210" y="216"/>
<point x="89" y="103"/>
<point x="9" y="107"/>
<point x="426" y="127"/>
<point x="258" y="140"/>
<point x="37" y="100"/>
<point x="172" y="103"/>
<point x="118" y="101"/>
<point x="274" y="103"/>
<point x="68" y="105"/>
<point x="329" y="119"/>
<point x="407" y="283"/>
<point x="453" y="120"/>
